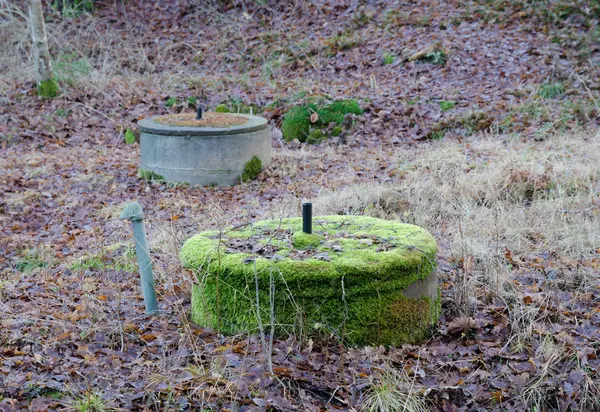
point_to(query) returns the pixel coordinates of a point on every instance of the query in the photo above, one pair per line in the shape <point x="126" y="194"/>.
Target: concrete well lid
<point x="253" y="124"/>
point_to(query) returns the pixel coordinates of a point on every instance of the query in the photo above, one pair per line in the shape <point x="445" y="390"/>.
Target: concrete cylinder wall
<point x="203" y="155"/>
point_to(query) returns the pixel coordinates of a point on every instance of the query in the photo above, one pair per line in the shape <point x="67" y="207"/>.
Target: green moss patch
<point x="222" y="108"/>
<point x="251" y="169"/>
<point x="301" y="240"/>
<point x="48" y="88"/>
<point x="349" y="279"/>
<point x="235" y="105"/>
<point x="310" y="122"/>
<point x="150" y="176"/>
<point x="130" y="137"/>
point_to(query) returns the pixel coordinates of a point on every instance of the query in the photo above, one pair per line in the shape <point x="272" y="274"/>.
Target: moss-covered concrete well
<point x="363" y="280"/>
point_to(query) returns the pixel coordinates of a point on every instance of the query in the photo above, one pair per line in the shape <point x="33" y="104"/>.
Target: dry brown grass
<point x="532" y="197"/>
<point x="15" y="42"/>
<point x="491" y="195"/>
<point x="86" y="53"/>
<point x="121" y="57"/>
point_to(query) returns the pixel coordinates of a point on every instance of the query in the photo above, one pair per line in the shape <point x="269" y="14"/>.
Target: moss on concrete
<point x="251" y="169"/>
<point x="309" y="122"/>
<point x="347" y="279"/>
<point x="302" y="240"/>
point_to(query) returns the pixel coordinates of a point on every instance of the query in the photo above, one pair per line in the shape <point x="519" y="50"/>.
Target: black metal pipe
<point x="199" y="113"/>
<point x="307" y="217"/>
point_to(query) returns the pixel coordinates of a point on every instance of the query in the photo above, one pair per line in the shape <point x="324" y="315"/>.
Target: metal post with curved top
<point x="134" y="213"/>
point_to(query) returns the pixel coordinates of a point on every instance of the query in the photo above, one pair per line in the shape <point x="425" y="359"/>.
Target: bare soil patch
<point x="209" y="119"/>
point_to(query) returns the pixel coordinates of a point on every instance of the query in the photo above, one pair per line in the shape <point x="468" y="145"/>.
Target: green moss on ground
<point x="222" y="108"/>
<point x="251" y="169"/>
<point x="48" y="88"/>
<point x="438" y="57"/>
<point x="345" y="106"/>
<point x="236" y="106"/>
<point x="130" y="137"/>
<point x="336" y="131"/>
<point x="309" y="122"/>
<point x="316" y="136"/>
<point x="150" y="176"/>
<point x="296" y="124"/>
<point x="347" y="279"/>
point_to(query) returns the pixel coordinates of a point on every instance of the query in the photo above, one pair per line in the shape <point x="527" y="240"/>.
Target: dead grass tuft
<point x="392" y="390"/>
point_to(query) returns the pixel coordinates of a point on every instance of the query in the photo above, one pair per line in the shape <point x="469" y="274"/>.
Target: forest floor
<point x="491" y="143"/>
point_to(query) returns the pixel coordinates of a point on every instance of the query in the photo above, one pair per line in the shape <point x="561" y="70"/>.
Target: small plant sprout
<point x="192" y="101"/>
<point x="392" y="390"/>
<point x="446" y="105"/>
<point x="90" y="402"/>
<point x="130" y="137"/>
<point x="251" y="169"/>
<point x="388" y="58"/>
<point x="436" y="57"/>
<point x="551" y="90"/>
<point x="30" y="261"/>
<point x="171" y="102"/>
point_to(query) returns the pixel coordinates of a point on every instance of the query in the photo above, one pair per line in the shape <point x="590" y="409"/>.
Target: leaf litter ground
<point x="73" y="322"/>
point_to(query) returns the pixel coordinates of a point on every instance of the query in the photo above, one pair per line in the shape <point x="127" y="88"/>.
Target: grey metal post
<point x="134" y="213"/>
